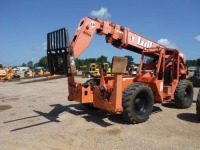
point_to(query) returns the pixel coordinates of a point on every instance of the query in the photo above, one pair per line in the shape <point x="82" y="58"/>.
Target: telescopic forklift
<point x="161" y="76"/>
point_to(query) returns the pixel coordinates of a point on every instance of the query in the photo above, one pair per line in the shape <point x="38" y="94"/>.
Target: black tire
<point x="92" y="83"/>
<point x="137" y="103"/>
<point x="198" y="105"/>
<point x="184" y="94"/>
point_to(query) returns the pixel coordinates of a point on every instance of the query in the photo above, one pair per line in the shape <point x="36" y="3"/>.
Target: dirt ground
<point x="39" y="116"/>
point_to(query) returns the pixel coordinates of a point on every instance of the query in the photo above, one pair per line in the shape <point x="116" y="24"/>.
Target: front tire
<point x="184" y="94"/>
<point x="137" y="103"/>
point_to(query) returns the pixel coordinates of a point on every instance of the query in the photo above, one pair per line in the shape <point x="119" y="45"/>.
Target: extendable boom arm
<point x="117" y="35"/>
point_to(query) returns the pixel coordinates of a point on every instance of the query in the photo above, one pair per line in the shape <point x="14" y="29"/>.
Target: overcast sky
<point x="25" y="23"/>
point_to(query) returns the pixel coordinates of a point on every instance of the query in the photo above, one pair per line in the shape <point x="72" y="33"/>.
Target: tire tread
<point x="127" y="101"/>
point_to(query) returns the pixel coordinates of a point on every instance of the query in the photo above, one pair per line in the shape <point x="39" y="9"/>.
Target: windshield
<point x="149" y="62"/>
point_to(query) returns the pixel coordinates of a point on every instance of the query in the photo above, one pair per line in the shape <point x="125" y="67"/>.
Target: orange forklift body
<point x="157" y="79"/>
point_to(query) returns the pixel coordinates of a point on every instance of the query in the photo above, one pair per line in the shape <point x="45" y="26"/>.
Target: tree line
<point x="41" y="63"/>
<point x="190" y="63"/>
<point x="99" y="60"/>
<point x="80" y="62"/>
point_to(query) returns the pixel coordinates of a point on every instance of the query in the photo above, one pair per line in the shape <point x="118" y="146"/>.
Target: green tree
<point x="1" y="66"/>
<point x="79" y="62"/>
<point x="90" y="60"/>
<point x="191" y="63"/>
<point x="130" y="60"/>
<point x="24" y="65"/>
<point x="30" y="64"/>
<point x="36" y="65"/>
<point x="102" y="59"/>
<point x="43" y="62"/>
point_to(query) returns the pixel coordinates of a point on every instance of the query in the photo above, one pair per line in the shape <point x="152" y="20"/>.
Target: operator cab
<point x="160" y="70"/>
<point x="149" y="63"/>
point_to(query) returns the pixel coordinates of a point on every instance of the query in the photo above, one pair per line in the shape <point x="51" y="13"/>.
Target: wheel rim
<point x="140" y="104"/>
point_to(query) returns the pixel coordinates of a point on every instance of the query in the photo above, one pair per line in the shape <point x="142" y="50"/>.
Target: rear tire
<point x="184" y="94"/>
<point x="137" y="103"/>
<point x="198" y="105"/>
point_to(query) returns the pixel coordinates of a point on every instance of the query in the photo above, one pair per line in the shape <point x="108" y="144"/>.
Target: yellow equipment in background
<point x="36" y="72"/>
<point x="29" y="73"/>
<point x="8" y="73"/>
<point x="93" y="70"/>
